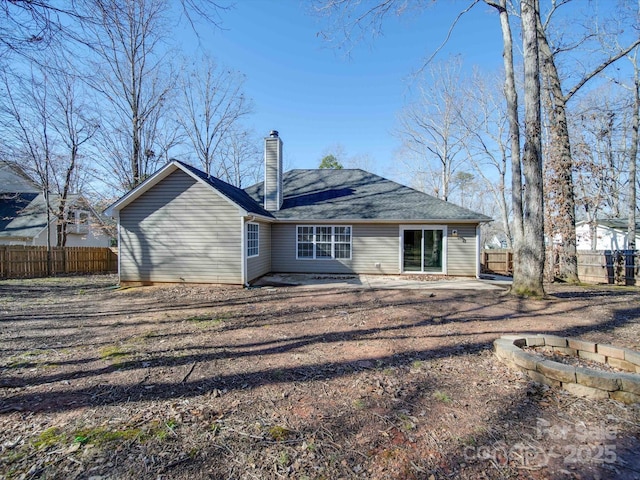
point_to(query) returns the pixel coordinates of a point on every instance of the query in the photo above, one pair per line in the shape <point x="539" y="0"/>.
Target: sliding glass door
<point x="423" y="249"/>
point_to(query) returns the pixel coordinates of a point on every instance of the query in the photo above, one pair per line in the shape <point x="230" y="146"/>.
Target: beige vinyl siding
<point x="180" y="231"/>
<point x="273" y="173"/>
<point x="371" y="244"/>
<point x="461" y="250"/>
<point x="261" y="265"/>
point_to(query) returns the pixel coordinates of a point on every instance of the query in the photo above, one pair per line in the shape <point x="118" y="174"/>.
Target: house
<point x="181" y="225"/>
<point x="24" y="218"/>
<point x="604" y="234"/>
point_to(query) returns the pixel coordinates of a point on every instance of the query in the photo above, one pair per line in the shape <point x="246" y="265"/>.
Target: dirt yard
<point x="192" y="382"/>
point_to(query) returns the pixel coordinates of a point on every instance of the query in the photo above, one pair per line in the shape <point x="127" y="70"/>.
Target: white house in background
<point x="23" y="214"/>
<point x="604" y="234"/>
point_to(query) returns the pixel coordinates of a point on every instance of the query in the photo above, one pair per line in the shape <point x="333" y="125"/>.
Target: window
<point x="79" y="219"/>
<point x="253" y="239"/>
<point x="342" y="242"/>
<point x="323" y="242"/>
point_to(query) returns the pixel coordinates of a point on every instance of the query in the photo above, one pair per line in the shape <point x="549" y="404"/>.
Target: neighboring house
<point x="181" y="225"/>
<point x="498" y="241"/>
<point x="604" y="234"/>
<point x="23" y="214"/>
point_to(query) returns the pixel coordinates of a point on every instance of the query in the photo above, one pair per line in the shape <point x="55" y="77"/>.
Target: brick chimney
<point x="273" y="172"/>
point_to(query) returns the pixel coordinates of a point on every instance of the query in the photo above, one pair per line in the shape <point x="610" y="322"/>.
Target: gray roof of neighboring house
<point x="235" y="194"/>
<point x="13" y="179"/>
<point x="617" y="223"/>
<point x="22" y="215"/>
<point x="354" y="194"/>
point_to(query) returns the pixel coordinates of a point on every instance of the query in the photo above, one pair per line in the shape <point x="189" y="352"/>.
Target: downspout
<point x="478" y="245"/>
<point x="243" y="252"/>
<point x="118" y="246"/>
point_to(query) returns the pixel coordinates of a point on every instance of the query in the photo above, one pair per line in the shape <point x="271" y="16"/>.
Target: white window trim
<point x="333" y="242"/>
<point x="444" y="247"/>
<point x="257" y="240"/>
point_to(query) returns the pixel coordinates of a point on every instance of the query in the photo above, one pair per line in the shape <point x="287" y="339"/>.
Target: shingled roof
<point x="22" y="215"/>
<point x="235" y="194"/>
<point x="354" y="194"/>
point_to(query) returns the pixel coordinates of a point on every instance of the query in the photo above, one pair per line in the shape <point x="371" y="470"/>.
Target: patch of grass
<point x="279" y="433"/>
<point x="102" y="436"/>
<point x="416" y="364"/>
<point x="469" y="441"/>
<point x="164" y="430"/>
<point x="50" y="437"/>
<point x="20" y="364"/>
<point x="34" y="353"/>
<point x="406" y="422"/>
<point x="359" y="404"/>
<point x="525" y="292"/>
<point x="283" y="459"/>
<point x="206" y="321"/>
<point x="112" y="352"/>
<point x="441" y="396"/>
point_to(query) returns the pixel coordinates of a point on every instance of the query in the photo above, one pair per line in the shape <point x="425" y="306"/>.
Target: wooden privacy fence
<point x="29" y="262"/>
<point x="609" y="266"/>
<point x="620" y="267"/>
<point x="497" y="261"/>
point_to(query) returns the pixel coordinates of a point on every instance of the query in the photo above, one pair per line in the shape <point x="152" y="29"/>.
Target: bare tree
<point x="353" y="18"/>
<point x="26" y="113"/>
<point x="132" y="77"/>
<point x="74" y="128"/>
<point x="240" y="158"/>
<point x="487" y="145"/>
<point x="50" y="126"/>
<point x="602" y="124"/>
<point x="29" y="27"/>
<point x="560" y="188"/>
<point x="633" y="153"/>
<point x="213" y="104"/>
<point x="430" y="128"/>
<point x="532" y="257"/>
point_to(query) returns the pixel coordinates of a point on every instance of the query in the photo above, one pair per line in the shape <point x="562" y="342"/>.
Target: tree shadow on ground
<point x="524" y="408"/>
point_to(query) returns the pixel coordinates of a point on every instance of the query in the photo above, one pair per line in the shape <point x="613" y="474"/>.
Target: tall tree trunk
<point x="633" y="156"/>
<point x="529" y="280"/>
<point x="511" y="97"/>
<point x="562" y="208"/>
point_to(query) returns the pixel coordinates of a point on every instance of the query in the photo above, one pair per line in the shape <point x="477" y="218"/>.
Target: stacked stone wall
<point x="581" y="381"/>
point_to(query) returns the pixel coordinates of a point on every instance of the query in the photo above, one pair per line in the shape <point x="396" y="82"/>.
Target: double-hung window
<point x="323" y="242"/>
<point x="253" y="239"/>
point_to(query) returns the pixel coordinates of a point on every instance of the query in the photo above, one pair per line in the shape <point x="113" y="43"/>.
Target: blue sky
<point x="315" y="96"/>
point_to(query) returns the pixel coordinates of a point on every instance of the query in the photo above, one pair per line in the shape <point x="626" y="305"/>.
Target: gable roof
<point x="322" y="195"/>
<point x="13" y="179"/>
<point x="234" y="195"/>
<point x="22" y="215"/>
<point x="354" y="194"/>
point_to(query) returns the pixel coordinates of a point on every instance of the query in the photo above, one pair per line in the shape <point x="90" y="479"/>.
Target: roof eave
<point x="383" y="220"/>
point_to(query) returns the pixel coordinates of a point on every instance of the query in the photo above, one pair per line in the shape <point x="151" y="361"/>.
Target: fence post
<point x="609" y="261"/>
<point x="629" y="267"/>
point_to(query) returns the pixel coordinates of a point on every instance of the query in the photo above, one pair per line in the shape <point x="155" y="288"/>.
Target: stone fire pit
<point x="622" y="385"/>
